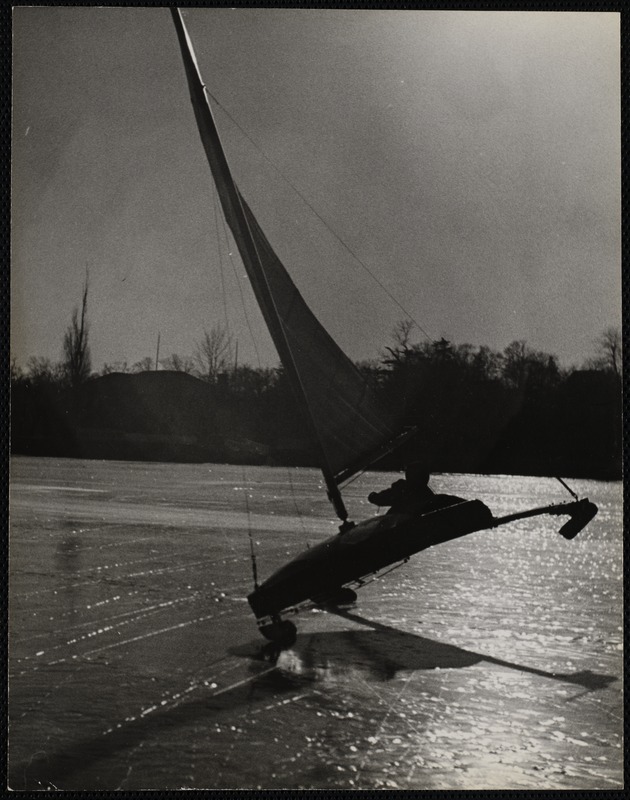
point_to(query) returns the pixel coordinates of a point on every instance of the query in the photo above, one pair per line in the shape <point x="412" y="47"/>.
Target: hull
<point x="368" y="547"/>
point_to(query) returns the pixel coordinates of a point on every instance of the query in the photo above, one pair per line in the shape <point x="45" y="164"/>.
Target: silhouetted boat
<point x="348" y="428"/>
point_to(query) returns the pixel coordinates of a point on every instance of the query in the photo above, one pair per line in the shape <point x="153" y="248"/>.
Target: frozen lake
<point x="491" y="662"/>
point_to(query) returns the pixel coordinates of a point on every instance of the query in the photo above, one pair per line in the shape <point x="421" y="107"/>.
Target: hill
<point x="148" y="416"/>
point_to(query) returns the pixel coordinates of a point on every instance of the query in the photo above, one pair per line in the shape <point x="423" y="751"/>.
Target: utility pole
<point x="157" y="353"/>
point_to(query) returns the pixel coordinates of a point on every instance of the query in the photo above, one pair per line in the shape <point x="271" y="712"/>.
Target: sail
<point x="347" y="424"/>
<point x="350" y="422"/>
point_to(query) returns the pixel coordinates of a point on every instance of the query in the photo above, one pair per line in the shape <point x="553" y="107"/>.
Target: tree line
<point x="476" y="409"/>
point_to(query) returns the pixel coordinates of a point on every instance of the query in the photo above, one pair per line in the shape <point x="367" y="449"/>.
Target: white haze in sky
<point x="470" y="160"/>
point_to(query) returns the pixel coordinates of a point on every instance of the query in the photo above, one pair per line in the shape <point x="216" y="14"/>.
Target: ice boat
<point x="348" y="429"/>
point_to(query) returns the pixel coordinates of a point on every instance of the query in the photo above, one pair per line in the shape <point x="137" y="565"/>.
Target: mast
<point x="231" y="203"/>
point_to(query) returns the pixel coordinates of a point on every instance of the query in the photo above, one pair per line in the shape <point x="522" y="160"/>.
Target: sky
<point x="462" y="168"/>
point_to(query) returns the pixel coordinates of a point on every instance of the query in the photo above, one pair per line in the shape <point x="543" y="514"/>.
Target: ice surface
<point x="491" y="662"/>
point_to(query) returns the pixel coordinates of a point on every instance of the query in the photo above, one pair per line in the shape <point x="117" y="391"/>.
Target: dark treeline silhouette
<point x="476" y="409"/>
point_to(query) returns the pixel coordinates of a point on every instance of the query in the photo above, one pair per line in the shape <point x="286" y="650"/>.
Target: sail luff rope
<point x="322" y="220"/>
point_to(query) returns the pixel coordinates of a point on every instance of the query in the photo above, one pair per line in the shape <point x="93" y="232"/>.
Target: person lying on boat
<point x="412" y="495"/>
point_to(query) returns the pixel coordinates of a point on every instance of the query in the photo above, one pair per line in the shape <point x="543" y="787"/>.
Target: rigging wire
<point x="322" y="220"/>
<point x="297" y="509"/>
<point x="240" y="289"/>
<point x="567" y="487"/>
<point x="219" y="251"/>
<point x="393" y="446"/>
<point x="249" y="532"/>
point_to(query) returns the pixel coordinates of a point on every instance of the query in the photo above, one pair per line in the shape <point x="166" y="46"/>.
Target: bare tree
<point x="17" y="373"/>
<point x="401" y="334"/>
<point x="442" y="350"/>
<point x="610" y="350"/>
<point x="213" y="353"/>
<point x="43" y="370"/>
<point x="178" y="363"/>
<point x="117" y="366"/>
<point x="515" y="363"/>
<point x="77" y="362"/>
<point x="486" y="363"/>
<point x="144" y="365"/>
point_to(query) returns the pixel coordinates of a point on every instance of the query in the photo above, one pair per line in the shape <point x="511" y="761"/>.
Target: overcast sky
<point x="470" y="160"/>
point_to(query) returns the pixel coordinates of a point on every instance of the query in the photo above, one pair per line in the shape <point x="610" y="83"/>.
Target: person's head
<point x="417" y="474"/>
